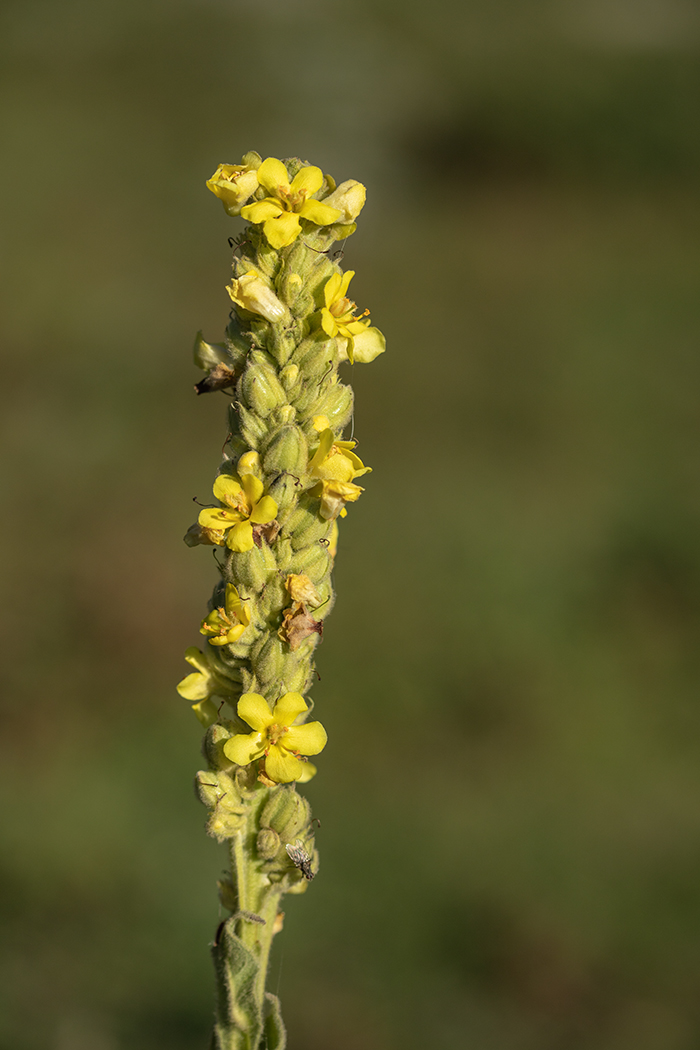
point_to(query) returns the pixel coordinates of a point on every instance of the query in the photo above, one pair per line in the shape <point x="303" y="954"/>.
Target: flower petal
<point x="308" y="180"/>
<point x="253" y="488"/>
<point x="261" y="211"/>
<point x="308" y="772"/>
<point x="328" y="323"/>
<point x="225" y="485"/>
<point x="272" y="174"/>
<point x="244" y="748"/>
<point x="264" y="511"/>
<point x="196" y="658"/>
<point x="368" y="345"/>
<point x="240" y="537"/>
<point x="332" y="288"/>
<point x="344" y="284"/>
<point x="281" y="766"/>
<point x="207" y="712"/>
<point x="235" y="633"/>
<point x="288" y="707"/>
<point x="308" y="739"/>
<point x="318" y="212"/>
<point x="282" y="231"/>
<point x="255" y="710"/>
<point x="194" y="687"/>
<point x="218" y="518"/>
<point x="324" y="447"/>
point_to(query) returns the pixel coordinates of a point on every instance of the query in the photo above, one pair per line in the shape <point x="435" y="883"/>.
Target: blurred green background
<point x="510" y="832"/>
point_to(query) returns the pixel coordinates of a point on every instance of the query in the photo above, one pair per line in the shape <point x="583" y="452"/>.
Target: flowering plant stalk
<point x="285" y="480"/>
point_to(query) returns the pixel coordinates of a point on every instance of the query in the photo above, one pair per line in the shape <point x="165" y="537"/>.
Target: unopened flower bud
<point x="288" y="451"/>
<point x="349" y="198"/>
<point x="251" y="293"/>
<point x="286" y="812"/>
<point x="260" y="386"/>
<point x="268" y="843"/>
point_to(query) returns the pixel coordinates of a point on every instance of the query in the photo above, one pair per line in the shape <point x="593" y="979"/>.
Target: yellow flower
<point x="203" y="684"/>
<point x="233" y="184"/>
<point x="337" y="466"/>
<point x="338" y="315"/>
<point x="244" y="506"/>
<point x="251" y="293"/>
<point x="226" y="625"/>
<point x="288" y="204"/>
<point x="349" y="198"/>
<point x="276" y="737"/>
<point x="365" y="347"/>
<point x="335" y="461"/>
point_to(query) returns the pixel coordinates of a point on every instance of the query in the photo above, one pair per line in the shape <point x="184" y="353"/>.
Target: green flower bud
<point x="251" y="426"/>
<point x="213" y="746"/>
<point x="267" y="843"/>
<point x="284" y="491"/>
<point x="217" y="789"/>
<point x="289" y="286"/>
<point x="305" y="526"/>
<point x="251" y="570"/>
<point x="335" y="402"/>
<point x="260" y="386"/>
<point x="286" y="812"/>
<point x="314" y="561"/>
<point x="289" y="376"/>
<point x="287" y="451"/>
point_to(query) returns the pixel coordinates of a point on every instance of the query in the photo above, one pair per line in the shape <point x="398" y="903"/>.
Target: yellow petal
<point x="308" y="739"/>
<point x="224" y="486"/>
<point x="282" y="231"/>
<point x="255" y="710"/>
<point x="196" y="658"/>
<point x="332" y="288"/>
<point x="288" y="707"/>
<point x="217" y="518"/>
<point x="261" y="211"/>
<point x="207" y="712"/>
<point x="347" y="277"/>
<point x="244" y="748"/>
<point x="253" y="488"/>
<point x="272" y="174"/>
<point x="308" y="771"/>
<point x="308" y="180"/>
<point x="320" y="423"/>
<point x="324" y="447"/>
<point x="240" y="537"/>
<point x="194" y="687"/>
<point x="282" y="767"/>
<point x="318" y="212"/>
<point x="367" y="346"/>
<point x="235" y="633"/>
<point x="264" y="511"/>
<point x="328" y="323"/>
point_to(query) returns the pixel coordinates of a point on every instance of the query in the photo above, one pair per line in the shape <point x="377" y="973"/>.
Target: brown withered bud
<point x="297" y="625"/>
<point x="266" y="532"/>
<point x="220" y="376"/>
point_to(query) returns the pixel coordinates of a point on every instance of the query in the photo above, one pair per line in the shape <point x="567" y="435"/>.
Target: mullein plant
<point x="282" y="486"/>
